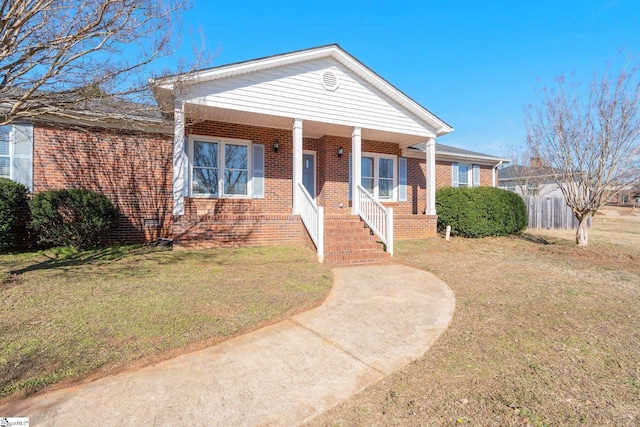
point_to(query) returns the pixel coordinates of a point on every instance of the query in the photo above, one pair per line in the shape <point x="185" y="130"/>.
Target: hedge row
<point x="14" y="212"/>
<point x="480" y="211"/>
<point x="78" y="218"/>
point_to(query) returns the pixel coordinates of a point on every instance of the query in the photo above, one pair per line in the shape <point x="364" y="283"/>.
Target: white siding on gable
<point x="297" y="91"/>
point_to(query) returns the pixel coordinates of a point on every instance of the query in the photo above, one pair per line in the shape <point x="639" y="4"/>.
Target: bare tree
<point x="61" y="57"/>
<point x="588" y="141"/>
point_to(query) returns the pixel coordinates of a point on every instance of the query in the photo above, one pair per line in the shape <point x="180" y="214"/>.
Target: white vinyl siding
<point x="225" y="168"/>
<point x="297" y="91"/>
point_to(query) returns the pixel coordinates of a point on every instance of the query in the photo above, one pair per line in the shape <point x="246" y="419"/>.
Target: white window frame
<point x="222" y="142"/>
<point x="471" y="179"/>
<point x="469" y="174"/>
<point x="17" y="134"/>
<point x="376" y="175"/>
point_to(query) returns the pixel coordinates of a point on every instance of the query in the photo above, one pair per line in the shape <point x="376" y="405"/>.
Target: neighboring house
<point x="528" y="181"/>
<point x="627" y="196"/>
<point x="265" y="151"/>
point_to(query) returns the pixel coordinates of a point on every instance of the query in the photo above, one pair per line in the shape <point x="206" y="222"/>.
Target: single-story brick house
<point x="262" y="152"/>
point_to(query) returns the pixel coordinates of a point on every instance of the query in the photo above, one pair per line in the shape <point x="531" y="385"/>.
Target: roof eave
<point x="479" y="159"/>
<point x="471" y="156"/>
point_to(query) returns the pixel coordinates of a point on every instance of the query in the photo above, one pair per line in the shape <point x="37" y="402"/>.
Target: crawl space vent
<point x="330" y="80"/>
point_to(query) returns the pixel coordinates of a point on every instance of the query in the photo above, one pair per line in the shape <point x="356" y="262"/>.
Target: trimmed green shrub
<point x="14" y="212"/>
<point x="73" y="217"/>
<point x="480" y="211"/>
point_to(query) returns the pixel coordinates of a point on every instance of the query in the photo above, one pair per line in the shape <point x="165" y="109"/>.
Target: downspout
<point x="493" y="173"/>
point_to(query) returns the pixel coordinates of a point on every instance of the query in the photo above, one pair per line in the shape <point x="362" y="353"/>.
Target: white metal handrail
<point x="376" y="216"/>
<point x="313" y="219"/>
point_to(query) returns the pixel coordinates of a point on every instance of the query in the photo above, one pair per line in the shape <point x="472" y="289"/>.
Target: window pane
<point x="235" y="157"/>
<point x="205" y="154"/>
<point x="386" y="168"/>
<point x="367" y="183"/>
<point x="463" y="175"/>
<point x="4" y="139"/>
<point x="366" y="168"/>
<point x="235" y="182"/>
<point x="385" y="188"/>
<point x="4" y="167"/>
<point x="205" y="181"/>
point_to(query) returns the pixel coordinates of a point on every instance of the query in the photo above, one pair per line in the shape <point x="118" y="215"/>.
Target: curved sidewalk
<point x="375" y="320"/>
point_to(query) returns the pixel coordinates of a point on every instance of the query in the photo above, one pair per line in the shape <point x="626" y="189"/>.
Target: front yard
<point x="544" y="334"/>
<point x="70" y="316"/>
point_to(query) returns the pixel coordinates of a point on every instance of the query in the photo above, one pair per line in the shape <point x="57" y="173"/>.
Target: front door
<point x="309" y="173"/>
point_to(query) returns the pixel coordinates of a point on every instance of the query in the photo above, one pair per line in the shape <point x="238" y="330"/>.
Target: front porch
<point x="301" y="137"/>
<point x="288" y="214"/>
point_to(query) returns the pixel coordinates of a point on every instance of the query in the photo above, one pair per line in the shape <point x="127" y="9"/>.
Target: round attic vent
<point x="330" y="80"/>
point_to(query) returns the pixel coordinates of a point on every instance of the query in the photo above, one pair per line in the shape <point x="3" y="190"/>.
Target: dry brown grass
<point x="544" y="334"/>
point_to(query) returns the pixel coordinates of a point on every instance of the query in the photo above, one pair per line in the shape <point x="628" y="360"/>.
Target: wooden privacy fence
<point x="550" y="213"/>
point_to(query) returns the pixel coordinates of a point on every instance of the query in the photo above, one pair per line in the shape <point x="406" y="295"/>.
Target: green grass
<point x="67" y="315"/>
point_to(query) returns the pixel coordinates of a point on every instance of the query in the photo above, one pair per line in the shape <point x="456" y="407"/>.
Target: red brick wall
<point x="443" y="175"/>
<point x="133" y="169"/>
<point x="229" y="230"/>
<point x="485" y="176"/>
<point x="333" y="175"/>
<point x="414" y="226"/>
<point x="224" y="222"/>
<point x="278" y="170"/>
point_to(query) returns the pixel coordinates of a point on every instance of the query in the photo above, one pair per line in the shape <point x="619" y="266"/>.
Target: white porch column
<point x="356" y="168"/>
<point x="297" y="164"/>
<point x="179" y="159"/>
<point x="431" y="177"/>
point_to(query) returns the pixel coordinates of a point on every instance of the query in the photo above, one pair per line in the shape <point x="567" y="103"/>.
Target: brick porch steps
<point x="348" y="241"/>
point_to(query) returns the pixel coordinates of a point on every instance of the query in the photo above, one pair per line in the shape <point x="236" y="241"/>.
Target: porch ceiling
<point x="310" y="129"/>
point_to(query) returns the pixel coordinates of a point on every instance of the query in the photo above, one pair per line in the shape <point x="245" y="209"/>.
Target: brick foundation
<point x="415" y="226"/>
<point x="220" y="231"/>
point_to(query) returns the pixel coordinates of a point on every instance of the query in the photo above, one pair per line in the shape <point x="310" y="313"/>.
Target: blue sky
<point x="475" y="64"/>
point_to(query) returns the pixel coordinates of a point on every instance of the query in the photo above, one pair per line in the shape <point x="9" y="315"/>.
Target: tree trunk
<point x="582" y="236"/>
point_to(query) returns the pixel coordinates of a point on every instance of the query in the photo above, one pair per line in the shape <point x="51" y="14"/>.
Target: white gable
<point x="321" y="90"/>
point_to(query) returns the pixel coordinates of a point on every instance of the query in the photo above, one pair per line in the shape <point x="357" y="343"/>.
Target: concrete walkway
<point x="375" y="320"/>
